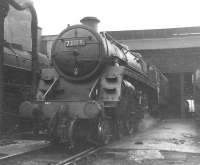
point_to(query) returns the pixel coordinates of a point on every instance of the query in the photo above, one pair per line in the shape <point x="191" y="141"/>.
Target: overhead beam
<point x="163" y="43"/>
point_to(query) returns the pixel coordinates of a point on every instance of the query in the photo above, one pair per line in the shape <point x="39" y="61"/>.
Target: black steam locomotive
<point x="97" y="89"/>
<point x="17" y="80"/>
<point x="18" y="42"/>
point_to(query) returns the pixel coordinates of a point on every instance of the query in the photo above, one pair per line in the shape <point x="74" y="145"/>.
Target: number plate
<point x="72" y="43"/>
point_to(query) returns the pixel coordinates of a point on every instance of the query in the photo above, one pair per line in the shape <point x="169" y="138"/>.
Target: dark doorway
<point x="179" y="93"/>
<point x="188" y="95"/>
<point x="174" y="108"/>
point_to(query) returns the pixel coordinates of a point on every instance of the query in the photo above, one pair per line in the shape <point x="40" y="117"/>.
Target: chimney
<point x="92" y="22"/>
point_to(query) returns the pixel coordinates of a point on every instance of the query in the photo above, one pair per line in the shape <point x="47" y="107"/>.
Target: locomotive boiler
<point x="97" y="89"/>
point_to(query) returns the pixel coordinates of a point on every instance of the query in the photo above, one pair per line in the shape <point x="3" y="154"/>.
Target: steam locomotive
<point x="18" y="49"/>
<point x="97" y="89"/>
<point x="17" y="80"/>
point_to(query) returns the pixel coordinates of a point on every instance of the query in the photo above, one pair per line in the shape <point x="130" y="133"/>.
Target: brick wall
<point x="174" y="60"/>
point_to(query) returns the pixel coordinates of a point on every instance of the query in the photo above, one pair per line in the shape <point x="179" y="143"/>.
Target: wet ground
<point x="166" y="142"/>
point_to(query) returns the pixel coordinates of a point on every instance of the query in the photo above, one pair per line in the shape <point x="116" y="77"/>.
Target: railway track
<point x="51" y="155"/>
<point x="83" y="156"/>
<point x="24" y="151"/>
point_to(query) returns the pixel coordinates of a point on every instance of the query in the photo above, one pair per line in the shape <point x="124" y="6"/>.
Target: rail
<point x="25" y="151"/>
<point x="80" y="156"/>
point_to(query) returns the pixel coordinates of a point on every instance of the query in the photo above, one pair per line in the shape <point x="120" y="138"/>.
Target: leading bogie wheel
<point x="104" y="130"/>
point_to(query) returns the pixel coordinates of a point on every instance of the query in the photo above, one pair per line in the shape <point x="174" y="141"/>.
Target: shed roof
<point x="155" y="33"/>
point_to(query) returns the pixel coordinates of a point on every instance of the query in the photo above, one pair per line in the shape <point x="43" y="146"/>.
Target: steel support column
<point x="4" y="8"/>
<point x="182" y="95"/>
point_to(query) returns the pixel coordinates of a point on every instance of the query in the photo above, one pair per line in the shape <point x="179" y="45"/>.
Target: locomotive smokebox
<point x="91" y="22"/>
